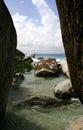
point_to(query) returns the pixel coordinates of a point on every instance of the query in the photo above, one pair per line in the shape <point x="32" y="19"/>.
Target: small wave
<point x="58" y="59"/>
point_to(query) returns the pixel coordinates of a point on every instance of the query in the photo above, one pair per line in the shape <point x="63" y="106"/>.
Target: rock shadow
<point x="14" y="122"/>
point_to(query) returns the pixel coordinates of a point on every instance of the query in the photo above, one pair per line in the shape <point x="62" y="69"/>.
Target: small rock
<point x="17" y="79"/>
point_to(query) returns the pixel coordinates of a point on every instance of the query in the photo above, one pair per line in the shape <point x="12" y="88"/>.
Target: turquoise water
<point x="57" y="56"/>
<point x="37" y="117"/>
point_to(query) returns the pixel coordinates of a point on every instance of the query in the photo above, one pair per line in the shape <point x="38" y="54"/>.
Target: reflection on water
<point x="36" y="117"/>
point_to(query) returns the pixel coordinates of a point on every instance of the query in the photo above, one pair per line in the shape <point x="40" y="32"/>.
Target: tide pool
<point x="38" y="117"/>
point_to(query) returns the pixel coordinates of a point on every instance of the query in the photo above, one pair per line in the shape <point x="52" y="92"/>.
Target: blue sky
<point x="37" y="25"/>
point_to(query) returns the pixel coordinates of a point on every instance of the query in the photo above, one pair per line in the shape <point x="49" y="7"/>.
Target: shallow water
<point x="37" y="117"/>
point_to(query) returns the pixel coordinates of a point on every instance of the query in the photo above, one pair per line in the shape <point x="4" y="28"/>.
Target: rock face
<point x="22" y="57"/>
<point x="71" y="21"/>
<point x="46" y="68"/>
<point x="8" y="40"/>
<point x="40" y="100"/>
<point x="64" y="90"/>
<point x="64" y="67"/>
<point x="29" y="57"/>
<point x="19" y="54"/>
<point x="76" y="125"/>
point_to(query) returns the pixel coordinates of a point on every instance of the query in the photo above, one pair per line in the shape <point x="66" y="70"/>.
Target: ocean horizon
<point x="56" y="56"/>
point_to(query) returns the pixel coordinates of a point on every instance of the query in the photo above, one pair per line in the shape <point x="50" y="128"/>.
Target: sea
<point x="37" y="117"/>
<point x="58" y="57"/>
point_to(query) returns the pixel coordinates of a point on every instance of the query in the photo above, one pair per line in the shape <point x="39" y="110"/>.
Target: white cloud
<point x="45" y="38"/>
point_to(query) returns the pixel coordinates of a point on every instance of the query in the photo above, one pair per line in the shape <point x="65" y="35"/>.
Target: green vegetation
<point x="20" y="65"/>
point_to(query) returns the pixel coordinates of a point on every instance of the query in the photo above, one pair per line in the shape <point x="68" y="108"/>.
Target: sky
<point x="37" y="26"/>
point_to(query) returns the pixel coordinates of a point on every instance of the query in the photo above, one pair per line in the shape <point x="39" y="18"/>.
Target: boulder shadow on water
<point x="14" y="122"/>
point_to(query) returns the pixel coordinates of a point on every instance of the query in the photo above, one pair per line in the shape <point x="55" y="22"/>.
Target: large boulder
<point x="46" y="68"/>
<point x="64" y="67"/>
<point x="29" y="57"/>
<point x="71" y="21"/>
<point x="76" y="125"/>
<point x="64" y="90"/>
<point x="40" y="100"/>
<point x="19" y="55"/>
<point x="8" y="40"/>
